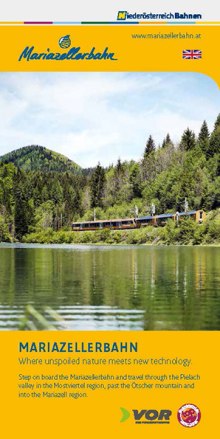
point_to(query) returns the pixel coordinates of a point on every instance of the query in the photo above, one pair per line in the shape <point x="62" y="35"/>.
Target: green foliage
<point x="135" y="180"/>
<point x="188" y="140"/>
<point x="203" y="138"/>
<point x="171" y="232"/>
<point x="204" y="132"/>
<point x="213" y="231"/>
<point x="4" y="232"/>
<point x="32" y="158"/>
<point x="97" y="186"/>
<point x="167" y="141"/>
<point x="186" y="231"/>
<point x="43" y="216"/>
<point x="150" y="146"/>
<point x="214" y="145"/>
<point x="217" y="122"/>
<point x="42" y="192"/>
<point x="199" y="234"/>
<point x="23" y="205"/>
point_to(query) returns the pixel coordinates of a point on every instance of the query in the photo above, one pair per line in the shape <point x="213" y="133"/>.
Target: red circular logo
<point x="189" y="415"/>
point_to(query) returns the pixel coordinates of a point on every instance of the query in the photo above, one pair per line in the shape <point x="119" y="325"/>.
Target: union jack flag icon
<point x="192" y="54"/>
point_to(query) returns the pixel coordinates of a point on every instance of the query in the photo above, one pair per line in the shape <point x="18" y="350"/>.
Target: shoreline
<point x="99" y="244"/>
<point x="187" y="233"/>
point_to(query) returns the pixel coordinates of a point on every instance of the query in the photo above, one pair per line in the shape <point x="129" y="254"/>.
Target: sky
<point x="99" y="117"/>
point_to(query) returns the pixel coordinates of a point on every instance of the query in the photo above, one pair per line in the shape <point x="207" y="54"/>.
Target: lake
<point x="111" y="288"/>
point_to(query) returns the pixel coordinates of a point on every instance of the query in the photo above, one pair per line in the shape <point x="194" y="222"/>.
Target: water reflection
<point x="125" y="288"/>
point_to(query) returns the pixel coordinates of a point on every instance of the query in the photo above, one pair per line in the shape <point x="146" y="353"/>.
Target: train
<point x="135" y="223"/>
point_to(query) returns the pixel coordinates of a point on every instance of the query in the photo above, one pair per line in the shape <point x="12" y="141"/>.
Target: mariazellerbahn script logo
<point x="74" y="53"/>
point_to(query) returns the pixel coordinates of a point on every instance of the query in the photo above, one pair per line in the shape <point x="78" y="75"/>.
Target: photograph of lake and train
<point x="109" y="201"/>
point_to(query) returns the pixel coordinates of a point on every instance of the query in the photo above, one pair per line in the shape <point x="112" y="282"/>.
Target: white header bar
<point x="69" y="11"/>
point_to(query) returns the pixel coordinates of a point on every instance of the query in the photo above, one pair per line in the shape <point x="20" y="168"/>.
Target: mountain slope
<point x="39" y="158"/>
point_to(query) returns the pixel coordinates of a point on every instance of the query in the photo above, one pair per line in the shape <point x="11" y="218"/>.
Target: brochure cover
<point x="110" y="220"/>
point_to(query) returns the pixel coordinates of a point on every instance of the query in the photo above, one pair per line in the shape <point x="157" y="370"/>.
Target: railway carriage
<point x="136" y="223"/>
<point x="114" y="224"/>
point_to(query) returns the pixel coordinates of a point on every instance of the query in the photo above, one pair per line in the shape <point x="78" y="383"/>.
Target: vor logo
<point x="189" y="415"/>
<point x="65" y="42"/>
<point x="147" y="416"/>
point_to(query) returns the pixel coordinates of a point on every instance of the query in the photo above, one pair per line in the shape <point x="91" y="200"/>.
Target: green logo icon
<point x="125" y="414"/>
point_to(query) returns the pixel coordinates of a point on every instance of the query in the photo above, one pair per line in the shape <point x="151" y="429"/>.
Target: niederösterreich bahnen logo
<point x="69" y="53"/>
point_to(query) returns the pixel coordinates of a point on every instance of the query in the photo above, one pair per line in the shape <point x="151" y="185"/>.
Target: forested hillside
<point x="41" y="190"/>
<point x="38" y="158"/>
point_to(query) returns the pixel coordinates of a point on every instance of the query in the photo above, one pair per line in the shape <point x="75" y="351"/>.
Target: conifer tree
<point x="188" y="140"/>
<point x="135" y="180"/>
<point x="119" y="167"/>
<point x="203" y="138"/>
<point x="217" y="122"/>
<point x="204" y="132"/>
<point x="167" y="141"/>
<point x="214" y="144"/>
<point x="150" y="147"/>
<point x="97" y="186"/>
<point x="21" y="209"/>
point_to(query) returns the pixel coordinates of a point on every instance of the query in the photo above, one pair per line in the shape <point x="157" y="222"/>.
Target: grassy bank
<point x="187" y="233"/>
